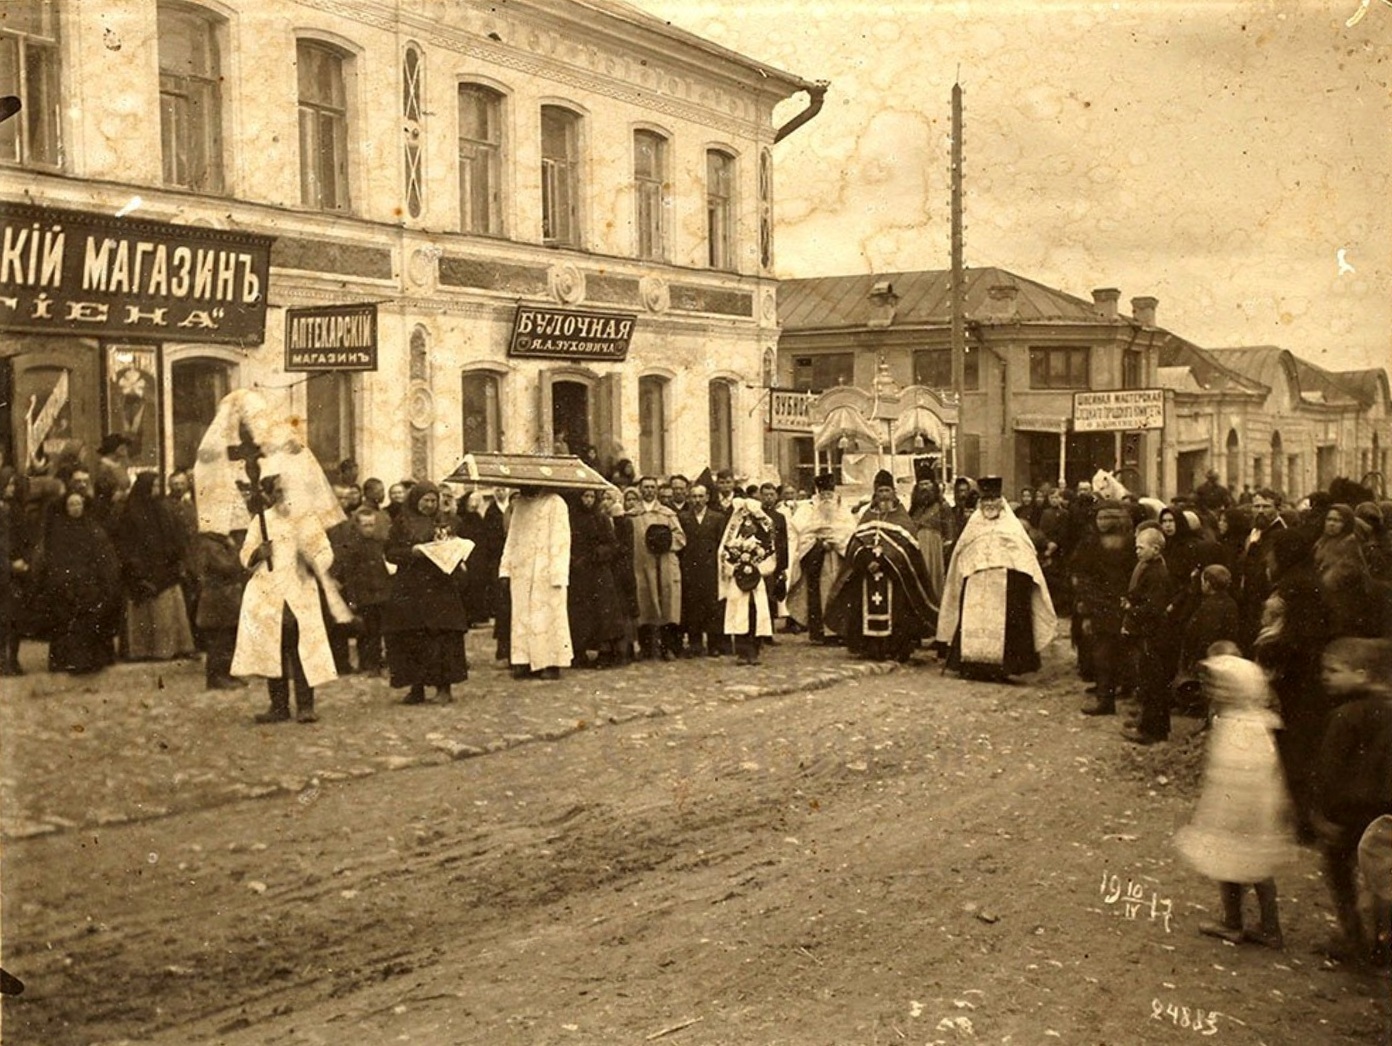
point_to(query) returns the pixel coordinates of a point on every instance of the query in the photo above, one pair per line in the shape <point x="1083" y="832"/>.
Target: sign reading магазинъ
<point x="790" y="410"/>
<point x="331" y="337"/>
<point x="76" y="272"/>
<point x="1120" y="410"/>
<point x="568" y="334"/>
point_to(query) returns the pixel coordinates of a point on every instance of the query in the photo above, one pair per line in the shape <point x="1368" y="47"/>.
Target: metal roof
<point x="831" y="302"/>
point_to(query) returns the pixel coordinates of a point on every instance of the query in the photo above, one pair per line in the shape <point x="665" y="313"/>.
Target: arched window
<point x="652" y="425"/>
<point x="323" y="97"/>
<point x="190" y="81"/>
<point x="197" y="386"/>
<point x="560" y="176"/>
<point x="412" y="90"/>
<point x="481" y="428"/>
<point x="722" y="425"/>
<point x="1234" y="460"/>
<point x="766" y="209"/>
<point x="1278" y="462"/>
<point x="650" y="181"/>
<point x="480" y="160"/>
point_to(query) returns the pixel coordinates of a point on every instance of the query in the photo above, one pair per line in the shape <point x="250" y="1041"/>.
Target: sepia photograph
<point x="698" y="522"/>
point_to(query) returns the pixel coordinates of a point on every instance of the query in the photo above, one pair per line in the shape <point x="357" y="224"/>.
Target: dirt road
<point x="908" y="858"/>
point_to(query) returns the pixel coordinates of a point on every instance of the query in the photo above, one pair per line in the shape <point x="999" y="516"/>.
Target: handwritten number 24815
<point x="1196" y="1020"/>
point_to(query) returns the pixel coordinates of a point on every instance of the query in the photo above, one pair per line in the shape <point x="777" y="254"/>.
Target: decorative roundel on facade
<point x="654" y="292"/>
<point x="420" y="407"/>
<point x="567" y="283"/>
<point x="768" y="306"/>
<point x="422" y="265"/>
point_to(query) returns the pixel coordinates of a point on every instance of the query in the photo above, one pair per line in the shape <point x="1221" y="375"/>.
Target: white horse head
<point x="1108" y="486"/>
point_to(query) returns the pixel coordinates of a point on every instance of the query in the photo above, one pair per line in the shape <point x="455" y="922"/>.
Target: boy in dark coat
<point x="1215" y="619"/>
<point x="367" y="586"/>
<point x="1353" y="777"/>
<point x="221" y="578"/>
<point x="1143" y="621"/>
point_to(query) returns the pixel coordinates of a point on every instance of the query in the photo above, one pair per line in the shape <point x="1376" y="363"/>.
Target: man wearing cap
<point x="657" y="538"/>
<point x="818" y="535"/>
<point x="882" y="599"/>
<point x="996" y="612"/>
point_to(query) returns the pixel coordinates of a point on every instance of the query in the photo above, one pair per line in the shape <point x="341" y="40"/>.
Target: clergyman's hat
<point x="825" y="481"/>
<point x="923" y="469"/>
<point x="990" y="486"/>
<point x="884" y="478"/>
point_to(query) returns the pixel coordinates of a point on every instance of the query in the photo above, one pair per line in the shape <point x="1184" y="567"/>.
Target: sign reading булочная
<point x="79" y="272"/>
<point x="541" y="332"/>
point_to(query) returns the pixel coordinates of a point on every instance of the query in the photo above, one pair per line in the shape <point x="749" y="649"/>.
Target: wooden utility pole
<point x="959" y="290"/>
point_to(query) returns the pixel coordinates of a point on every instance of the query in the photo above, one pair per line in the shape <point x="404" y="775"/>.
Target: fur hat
<point x="884" y="478"/>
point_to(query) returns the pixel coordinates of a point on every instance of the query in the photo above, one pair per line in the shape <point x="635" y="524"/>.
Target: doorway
<point x="570" y="416"/>
<point x="197" y="386"/>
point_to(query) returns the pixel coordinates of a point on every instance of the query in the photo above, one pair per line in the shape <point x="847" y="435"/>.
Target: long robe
<point x="536" y="562"/>
<point x="996" y="612"/>
<point x="77" y="592"/>
<point x="595" y="606"/>
<point x="300" y="556"/>
<point x="658" y="577"/>
<point x="817" y="536"/>
<point x="739" y="604"/>
<point x="933" y="529"/>
<point x="882" y="600"/>
<point x="700" y="568"/>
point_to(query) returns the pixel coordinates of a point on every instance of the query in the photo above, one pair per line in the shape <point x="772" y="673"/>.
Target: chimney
<point x="1143" y="310"/>
<point x="1003" y="299"/>
<point x="1105" y="299"/>
<point x="884" y="301"/>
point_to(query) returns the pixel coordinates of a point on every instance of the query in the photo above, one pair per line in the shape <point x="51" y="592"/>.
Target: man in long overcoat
<point x="657" y="538"/>
<point x="700" y="590"/>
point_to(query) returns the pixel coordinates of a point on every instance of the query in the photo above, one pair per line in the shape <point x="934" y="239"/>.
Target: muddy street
<point x="901" y="858"/>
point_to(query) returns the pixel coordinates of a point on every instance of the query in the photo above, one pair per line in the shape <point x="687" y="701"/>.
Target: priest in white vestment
<point x="536" y="562"/>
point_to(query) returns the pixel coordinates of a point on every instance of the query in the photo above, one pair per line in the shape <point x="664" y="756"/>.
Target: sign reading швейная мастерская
<point x="569" y="334"/>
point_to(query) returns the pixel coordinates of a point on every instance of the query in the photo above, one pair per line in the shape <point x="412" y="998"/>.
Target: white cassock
<point x="536" y="562"/>
<point x="300" y="550"/>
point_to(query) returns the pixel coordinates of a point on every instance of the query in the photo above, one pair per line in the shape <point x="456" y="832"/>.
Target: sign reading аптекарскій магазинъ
<point x="331" y="337"/>
<point x="96" y="275"/>
<point x="568" y="334"/>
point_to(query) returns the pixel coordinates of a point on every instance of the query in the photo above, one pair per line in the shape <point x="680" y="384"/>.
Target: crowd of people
<point x="1173" y="606"/>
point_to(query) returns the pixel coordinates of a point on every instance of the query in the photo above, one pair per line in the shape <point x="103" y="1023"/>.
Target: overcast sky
<point x="1216" y="155"/>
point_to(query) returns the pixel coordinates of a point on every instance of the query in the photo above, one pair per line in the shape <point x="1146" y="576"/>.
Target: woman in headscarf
<point x="150" y="542"/>
<point x="593" y="603"/>
<point x="77" y="589"/>
<point x="1343" y="574"/>
<point x="1234" y="525"/>
<point x="617" y="506"/>
<point x="424" y="620"/>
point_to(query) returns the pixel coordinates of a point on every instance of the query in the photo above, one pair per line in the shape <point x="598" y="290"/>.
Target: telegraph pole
<point x="959" y="290"/>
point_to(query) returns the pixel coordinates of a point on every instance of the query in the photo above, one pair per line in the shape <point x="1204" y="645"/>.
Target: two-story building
<point x="426" y="228"/>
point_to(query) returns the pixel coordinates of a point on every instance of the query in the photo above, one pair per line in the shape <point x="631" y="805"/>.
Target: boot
<point x="443" y="695"/>
<point x="415" y="696"/>
<point x="1100" y="705"/>
<point x="1230" y="929"/>
<point x="304" y="706"/>
<point x="279" y="712"/>
<point x="1270" y="933"/>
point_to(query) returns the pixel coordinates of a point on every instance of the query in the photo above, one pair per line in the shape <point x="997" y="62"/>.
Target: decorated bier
<point x="547" y="471"/>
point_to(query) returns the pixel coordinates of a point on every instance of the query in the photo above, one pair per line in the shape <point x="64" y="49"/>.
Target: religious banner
<point x="96" y="275"/>
<point x="1120" y="410"/>
<point x="540" y="332"/>
<point x="331" y="337"/>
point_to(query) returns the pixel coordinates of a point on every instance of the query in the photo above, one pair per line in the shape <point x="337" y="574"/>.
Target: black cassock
<point x="881" y="602"/>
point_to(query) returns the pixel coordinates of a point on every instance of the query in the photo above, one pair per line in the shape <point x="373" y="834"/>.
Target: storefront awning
<point x="845" y="422"/>
<point x="920" y="421"/>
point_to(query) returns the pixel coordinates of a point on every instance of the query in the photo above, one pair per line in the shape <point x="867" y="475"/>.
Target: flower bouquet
<point x="744" y="553"/>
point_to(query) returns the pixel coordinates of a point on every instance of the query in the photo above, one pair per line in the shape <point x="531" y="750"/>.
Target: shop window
<point x="480" y="160"/>
<point x="329" y="417"/>
<point x="652" y="425"/>
<point x="190" y="99"/>
<point x="722" y="425"/>
<point x="766" y="209"/>
<point x="482" y="427"/>
<point x="323" y="126"/>
<point x="29" y="71"/>
<point x="560" y="177"/>
<point x="720" y="209"/>
<point x="650" y="193"/>
<point x="197" y="386"/>
<point x="933" y="368"/>
<point x="823" y="371"/>
<point x="1059" y="368"/>
<point x="412" y="89"/>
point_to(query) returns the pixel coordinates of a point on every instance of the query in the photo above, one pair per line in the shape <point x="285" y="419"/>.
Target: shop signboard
<point x="331" y="337"/>
<point x="790" y="410"/>
<point x="1119" y="410"/>
<point x="541" y="332"/>
<point x="96" y="275"/>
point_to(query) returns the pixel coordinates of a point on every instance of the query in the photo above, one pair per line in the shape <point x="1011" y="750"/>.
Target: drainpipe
<point x="817" y="93"/>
